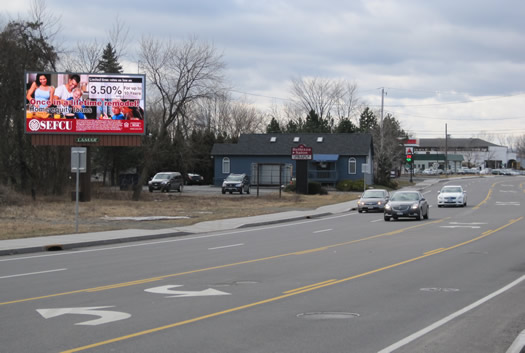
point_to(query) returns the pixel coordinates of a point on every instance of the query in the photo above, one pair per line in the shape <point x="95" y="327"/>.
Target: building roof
<point x="437" y="157"/>
<point x="277" y="144"/>
<point x="455" y="143"/>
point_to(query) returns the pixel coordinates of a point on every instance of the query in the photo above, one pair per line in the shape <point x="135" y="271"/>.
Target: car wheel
<point x="231" y="192"/>
<point x="223" y="191"/>
<point x="180" y="188"/>
<point x="150" y="190"/>
<point x="360" y="211"/>
<point x="248" y="191"/>
<point x="419" y="215"/>
<point x="387" y="218"/>
<point x="426" y="215"/>
<point x="439" y="205"/>
<point x="240" y="191"/>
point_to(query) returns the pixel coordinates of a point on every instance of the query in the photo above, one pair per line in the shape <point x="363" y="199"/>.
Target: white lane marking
<point x="179" y="294"/>
<point x="33" y="273"/>
<point x="323" y="230"/>
<point x="445" y="320"/>
<point x="105" y="316"/>
<point x="188" y="238"/>
<point x="377" y="220"/>
<point x="518" y="344"/>
<point x="473" y="227"/>
<point x="226" y="246"/>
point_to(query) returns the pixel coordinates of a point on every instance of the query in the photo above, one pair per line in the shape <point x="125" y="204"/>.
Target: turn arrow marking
<point x="105" y="316"/>
<point x="179" y="294"/>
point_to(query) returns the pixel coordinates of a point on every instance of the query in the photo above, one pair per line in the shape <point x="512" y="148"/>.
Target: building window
<point x="320" y="139"/>
<point x="296" y="139"/>
<point x="225" y="165"/>
<point x="352" y="165"/>
<point x="273" y="139"/>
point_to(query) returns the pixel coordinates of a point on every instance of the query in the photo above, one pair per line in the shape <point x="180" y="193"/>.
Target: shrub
<point x="350" y="185"/>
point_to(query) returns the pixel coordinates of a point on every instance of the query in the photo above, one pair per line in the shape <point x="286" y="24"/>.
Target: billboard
<point x="69" y="103"/>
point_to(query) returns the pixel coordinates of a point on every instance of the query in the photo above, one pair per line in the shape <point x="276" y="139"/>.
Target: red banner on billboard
<point x="85" y="103"/>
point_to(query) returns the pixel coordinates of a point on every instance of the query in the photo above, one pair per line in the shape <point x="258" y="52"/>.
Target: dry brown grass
<point x="22" y="217"/>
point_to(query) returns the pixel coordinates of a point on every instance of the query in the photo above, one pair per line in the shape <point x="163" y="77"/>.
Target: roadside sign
<point x="78" y="159"/>
<point x="302" y="152"/>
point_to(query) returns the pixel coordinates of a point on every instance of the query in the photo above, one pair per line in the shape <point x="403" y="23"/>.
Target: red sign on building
<point x="302" y="152"/>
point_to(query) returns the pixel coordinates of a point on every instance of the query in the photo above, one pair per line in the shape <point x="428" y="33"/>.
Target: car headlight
<point x="440" y="198"/>
<point x="415" y="206"/>
<point x="387" y="206"/>
<point x="379" y="203"/>
<point x="361" y="203"/>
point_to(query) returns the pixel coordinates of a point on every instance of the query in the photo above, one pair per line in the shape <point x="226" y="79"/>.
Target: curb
<point x="69" y="246"/>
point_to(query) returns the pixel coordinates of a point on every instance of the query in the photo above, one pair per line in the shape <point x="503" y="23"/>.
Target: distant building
<point x="335" y="157"/>
<point x="476" y="152"/>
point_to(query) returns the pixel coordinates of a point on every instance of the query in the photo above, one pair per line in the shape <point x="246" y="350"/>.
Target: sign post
<point x="301" y="154"/>
<point x="78" y="165"/>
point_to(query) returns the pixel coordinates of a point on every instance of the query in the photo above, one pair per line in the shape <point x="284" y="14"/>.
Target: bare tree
<point x="179" y="74"/>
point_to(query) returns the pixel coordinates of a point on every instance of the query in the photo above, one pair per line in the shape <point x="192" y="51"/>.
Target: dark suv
<point x="237" y="183"/>
<point x="166" y="181"/>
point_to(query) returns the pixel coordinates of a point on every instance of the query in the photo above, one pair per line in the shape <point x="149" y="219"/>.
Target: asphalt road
<point x="345" y="283"/>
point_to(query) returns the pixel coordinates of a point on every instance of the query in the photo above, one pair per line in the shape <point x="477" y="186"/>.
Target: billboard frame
<point x="108" y="93"/>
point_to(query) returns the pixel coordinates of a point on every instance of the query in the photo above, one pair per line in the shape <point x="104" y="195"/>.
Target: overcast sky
<point x="459" y="63"/>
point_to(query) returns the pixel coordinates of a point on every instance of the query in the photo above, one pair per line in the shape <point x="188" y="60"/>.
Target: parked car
<point x="236" y="182"/>
<point x="452" y="195"/>
<point x="406" y="204"/>
<point x="194" y="179"/>
<point x="373" y="200"/>
<point x="166" y="181"/>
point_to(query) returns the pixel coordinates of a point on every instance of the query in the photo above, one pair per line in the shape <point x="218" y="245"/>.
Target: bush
<point x="350" y="185"/>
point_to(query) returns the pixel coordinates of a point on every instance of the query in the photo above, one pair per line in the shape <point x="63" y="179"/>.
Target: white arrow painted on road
<point x="105" y="315"/>
<point x="179" y="294"/>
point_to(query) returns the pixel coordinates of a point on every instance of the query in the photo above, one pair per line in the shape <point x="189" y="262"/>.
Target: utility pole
<point x="446" y="150"/>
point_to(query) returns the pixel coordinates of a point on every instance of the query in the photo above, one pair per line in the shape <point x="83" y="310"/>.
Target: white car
<point x="452" y="195"/>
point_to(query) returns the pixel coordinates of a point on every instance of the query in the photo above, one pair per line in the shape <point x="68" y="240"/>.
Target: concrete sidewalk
<point x="70" y="241"/>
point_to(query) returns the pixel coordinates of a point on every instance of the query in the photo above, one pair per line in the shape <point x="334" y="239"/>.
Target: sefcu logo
<point x="50" y="125"/>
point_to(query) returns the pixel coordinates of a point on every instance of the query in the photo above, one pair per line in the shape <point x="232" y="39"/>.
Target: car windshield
<point x="451" y="189"/>
<point x="405" y="196"/>
<point x="373" y="194"/>
<point x="234" y="178"/>
<point x="161" y="176"/>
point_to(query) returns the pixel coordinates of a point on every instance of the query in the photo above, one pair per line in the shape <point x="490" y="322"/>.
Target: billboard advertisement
<point x="69" y="103"/>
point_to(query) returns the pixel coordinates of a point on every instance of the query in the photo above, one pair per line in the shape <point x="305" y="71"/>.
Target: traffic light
<point x="409" y="158"/>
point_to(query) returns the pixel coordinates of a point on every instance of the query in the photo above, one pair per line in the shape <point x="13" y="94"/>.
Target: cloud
<point x="423" y="52"/>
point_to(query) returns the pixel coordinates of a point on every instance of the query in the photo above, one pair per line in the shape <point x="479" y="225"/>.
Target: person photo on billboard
<point x="133" y="112"/>
<point x="42" y="93"/>
<point x="65" y="91"/>
<point x="78" y="109"/>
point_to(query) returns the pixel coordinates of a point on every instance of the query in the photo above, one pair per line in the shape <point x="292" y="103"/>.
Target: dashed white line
<point x="33" y="273"/>
<point x="226" y="246"/>
<point x="323" y="230"/>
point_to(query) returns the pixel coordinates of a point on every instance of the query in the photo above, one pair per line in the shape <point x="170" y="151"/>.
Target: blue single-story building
<point x="265" y="157"/>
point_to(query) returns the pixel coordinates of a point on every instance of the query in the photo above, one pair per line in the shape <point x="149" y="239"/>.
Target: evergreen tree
<point x="273" y="127"/>
<point x="367" y="121"/>
<point x="346" y="126"/>
<point x="109" y="61"/>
